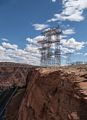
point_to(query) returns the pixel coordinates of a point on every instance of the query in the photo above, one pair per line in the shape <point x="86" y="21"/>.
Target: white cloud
<point x="85" y="54"/>
<point x="53" y="0"/>
<point x="63" y="36"/>
<point x="33" y="45"/>
<point x="11" y="53"/>
<point x="73" y="44"/>
<point x="9" y="46"/>
<point x="34" y="41"/>
<point x="20" y="52"/>
<point x="2" y="49"/>
<point x="65" y="50"/>
<point x="72" y="11"/>
<point x="31" y="48"/>
<point x="40" y="26"/>
<point x="76" y="16"/>
<point x="5" y="58"/>
<point x="31" y="54"/>
<point x="79" y="53"/>
<point x="4" y="39"/>
<point x="28" y="39"/>
<point x="37" y="38"/>
<point x="68" y="31"/>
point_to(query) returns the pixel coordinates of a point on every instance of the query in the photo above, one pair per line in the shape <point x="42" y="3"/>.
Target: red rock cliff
<point x="51" y="94"/>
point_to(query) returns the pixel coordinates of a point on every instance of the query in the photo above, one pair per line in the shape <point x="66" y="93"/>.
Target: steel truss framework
<point x="50" y="47"/>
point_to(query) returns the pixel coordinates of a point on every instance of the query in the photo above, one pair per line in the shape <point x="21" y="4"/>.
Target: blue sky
<point x="21" y="22"/>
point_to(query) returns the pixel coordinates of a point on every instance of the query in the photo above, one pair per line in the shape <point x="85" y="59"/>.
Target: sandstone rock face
<point x="49" y="94"/>
<point x="53" y="95"/>
<point x="13" y="74"/>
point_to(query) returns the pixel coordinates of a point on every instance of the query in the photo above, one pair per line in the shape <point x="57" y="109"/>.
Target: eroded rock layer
<point x="49" y="94"/>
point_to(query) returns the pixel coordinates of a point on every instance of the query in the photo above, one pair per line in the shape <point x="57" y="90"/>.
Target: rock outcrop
<point x="49" y="94"/>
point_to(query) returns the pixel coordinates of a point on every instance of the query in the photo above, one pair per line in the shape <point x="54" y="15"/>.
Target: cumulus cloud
<point x="72" y="43"/>
<point x="9" y="46"/>
<point x="28" y="39"/>
<point x="11" y="53"/>
<point x="40" y="26"/>
<point x="70" y="46"/>
<point x="68" y="31"/>
<point x="85" y="54"/>
<point x="65" y="50"/>
<point x="72" y="11"/>
<point x="63" y="36"/>
<point x="54" y="1"/>
<point x="79" y="53"/>
<point x="2" y="49"/>
<point x="6" y="59"/>
<point x="31" y="54"/>
<point x="34" y="41"/>
<point x="31" y="48"/>
<point x="37" y="38"/>
<point x="4" y="39"/>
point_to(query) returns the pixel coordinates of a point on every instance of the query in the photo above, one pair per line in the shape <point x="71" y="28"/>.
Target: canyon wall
<point x="48" y="93"/>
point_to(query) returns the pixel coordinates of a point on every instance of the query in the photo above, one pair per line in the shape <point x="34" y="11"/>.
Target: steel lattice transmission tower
<point x="68" y="58"/>
<point x="50" y="47"/>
